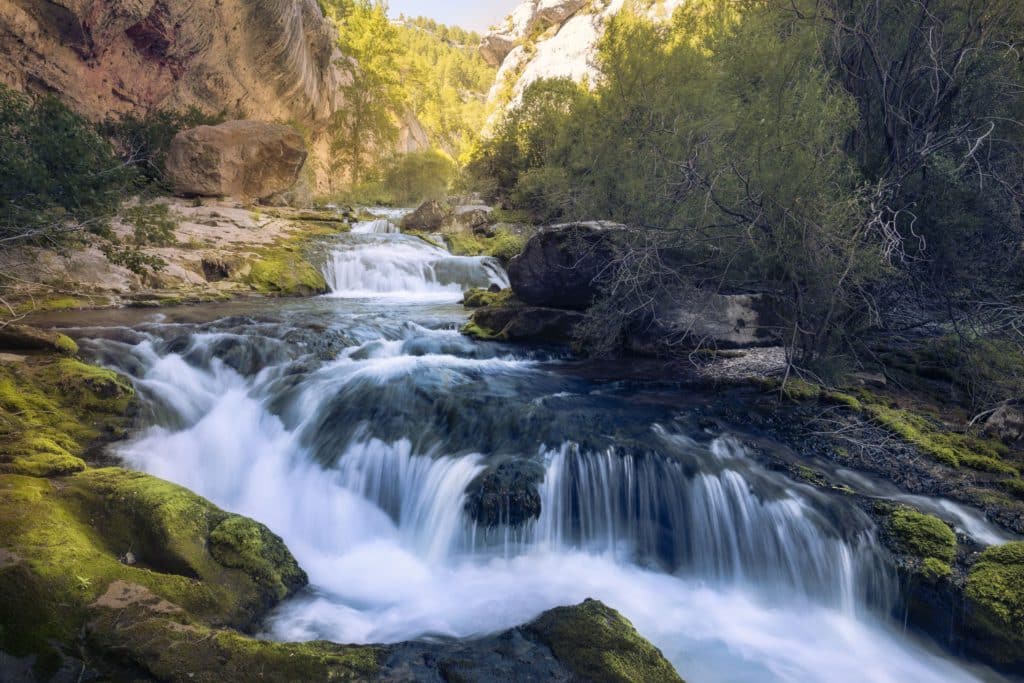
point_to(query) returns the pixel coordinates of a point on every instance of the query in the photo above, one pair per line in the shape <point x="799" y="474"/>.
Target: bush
<point x="544" y="193"/>
<point x="418" y="176"/>
<point x="143" y="141"/>
<point x="154" y="224"/>
<point x="57" y="173"/>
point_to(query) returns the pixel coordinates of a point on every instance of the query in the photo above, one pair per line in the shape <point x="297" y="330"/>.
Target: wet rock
<point x="429" y="217"/>
<point x="14" y="337"/>
<point x="515" y="322"/>
<point x="559" y="266"/>
<point x="246" y="159"/>
<point x="505" y="494"/>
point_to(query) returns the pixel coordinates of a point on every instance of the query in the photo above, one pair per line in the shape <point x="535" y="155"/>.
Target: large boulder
<point x="560" y="265"/>
<point x="429" y="217"/>
<point x="247" y="159"/>
<point x="505" y="493"/>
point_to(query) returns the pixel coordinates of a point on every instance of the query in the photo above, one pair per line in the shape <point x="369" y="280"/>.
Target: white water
<point x="762" y="588"/>
<point x="393" y="265"/>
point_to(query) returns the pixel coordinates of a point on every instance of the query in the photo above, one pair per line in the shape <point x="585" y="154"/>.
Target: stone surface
<point x="505" y="493"/>
<point x="246" y="159"/>
<point x="275" y="59"/>
<point x="516" y="322"/>
<point x="559" y="265"/>
<point x="1007" y="422"/>
<point x="429" y="217"/>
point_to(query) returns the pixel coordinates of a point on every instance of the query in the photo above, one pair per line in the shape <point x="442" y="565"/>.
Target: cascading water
<point x="380" y="263"/>
<point x="357" y="438"/>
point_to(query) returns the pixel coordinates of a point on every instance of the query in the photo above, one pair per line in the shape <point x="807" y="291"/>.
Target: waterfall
<point x="361" y="459"/>
<point x="378" y="226"/>
<point x="379" y="264"/>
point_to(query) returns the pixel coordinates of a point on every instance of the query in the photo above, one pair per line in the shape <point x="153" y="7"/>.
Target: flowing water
<point x="354" y="424"/>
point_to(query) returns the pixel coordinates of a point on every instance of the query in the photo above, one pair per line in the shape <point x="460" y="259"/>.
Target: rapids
<point x="353" y="425"/>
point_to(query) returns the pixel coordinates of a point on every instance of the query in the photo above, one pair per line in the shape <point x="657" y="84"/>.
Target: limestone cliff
<point x="553" y="39"/>
<point x="273" y="60"/>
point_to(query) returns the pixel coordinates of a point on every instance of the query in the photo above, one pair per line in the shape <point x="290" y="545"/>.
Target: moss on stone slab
<point x="599" y="644"/>
<point x="922" y="536"/>
<point x="477" y="331"/>
<point x="996" y="582"/>
<point x="284" y="271"/>
<point x="504" y="245"/>
<point x="52" y="409"/>
<point x="151" y="636"/>
<point x="478" y="297"/>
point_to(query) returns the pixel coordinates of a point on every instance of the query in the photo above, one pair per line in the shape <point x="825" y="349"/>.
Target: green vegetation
<point x="154" y="224"/>
<point x="996" y="585"/>
<point x="923" y="536"/>
<point x="599" y="644"/>
<point x="504" y="245"/>
<point x="803" y="149"/>
<point x="410" y="73"/>
<point x="476" y="298"/>
<point x="58" y="175"/>
<point x="284" y="271"/>
<point x="51" y="410"/>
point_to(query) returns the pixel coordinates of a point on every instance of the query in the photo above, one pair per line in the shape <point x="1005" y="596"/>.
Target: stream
<point x="353" y="425"/>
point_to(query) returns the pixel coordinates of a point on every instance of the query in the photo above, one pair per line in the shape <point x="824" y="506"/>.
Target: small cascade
<point x="378" y="264"/>
<point x="378" y="226"/>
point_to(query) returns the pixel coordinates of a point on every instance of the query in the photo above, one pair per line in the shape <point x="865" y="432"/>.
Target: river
<point x="353" y="425"/>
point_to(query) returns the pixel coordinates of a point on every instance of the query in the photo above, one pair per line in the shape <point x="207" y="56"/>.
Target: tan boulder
<point x="248" y="159"/>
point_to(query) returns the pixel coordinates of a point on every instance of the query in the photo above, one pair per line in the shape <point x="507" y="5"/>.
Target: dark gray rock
<point x="559" y="266"/>
<point x="505" y="493"/>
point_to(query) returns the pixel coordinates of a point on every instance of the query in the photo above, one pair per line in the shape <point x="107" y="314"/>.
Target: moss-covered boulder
<point x="599" y="644"/>
<point x="995" y="610"/>
<point x="284" y="271"/>
<point x="925" y="538"/>
<point x="53" y="409"/>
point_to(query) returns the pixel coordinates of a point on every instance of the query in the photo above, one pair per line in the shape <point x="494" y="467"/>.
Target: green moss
<point x="66" y="345"/>
<point x="504" y="245"/>
<point x="285" y="272"/>
<point x="995" y="589"/>
<point x="935" y="569"/>
<point x="477" y="298"/>
<point x="51" y="410"/>
<point x="922" y="536"/>
<point x="151" y="637"/>
<point x="1015" y="487"/>
<point x="62" y="545"/>
<point x="57" y="303"/>
<point x="798" y="389"/>
<point x="477" y="331"/>
<point x="599" y="644"/>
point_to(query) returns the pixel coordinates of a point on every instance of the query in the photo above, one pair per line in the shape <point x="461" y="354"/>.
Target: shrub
<point x="57" y="173"/>
<point x="143" y="141"/>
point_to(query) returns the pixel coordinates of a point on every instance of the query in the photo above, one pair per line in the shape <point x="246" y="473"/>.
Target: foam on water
<point x="733" y="571"/>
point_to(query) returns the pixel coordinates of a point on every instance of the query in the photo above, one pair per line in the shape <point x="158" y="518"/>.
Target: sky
<point x="476" y="15"/>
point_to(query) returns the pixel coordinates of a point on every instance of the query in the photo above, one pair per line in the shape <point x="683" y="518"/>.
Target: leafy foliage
<point x="143" y="141"/>
<point x="856" y="159"/>
<point x="57" y="173"/>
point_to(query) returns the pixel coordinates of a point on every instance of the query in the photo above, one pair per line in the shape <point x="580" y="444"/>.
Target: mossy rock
<point x="599" y="644"/>
<point x="51" y="410"/>
<point x="478" y="297"/>
<point x="63" y="543"/>
<point x="995" y="590"/>
<point x="922" y="536"/>
<point x="284" y="271"/>
<point x="139" y="632"/>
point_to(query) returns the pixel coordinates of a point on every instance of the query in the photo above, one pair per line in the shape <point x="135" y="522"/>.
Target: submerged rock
<point x="247" y="159"/>
<point x="505" y="494"/>
<point x="516" y="322"/>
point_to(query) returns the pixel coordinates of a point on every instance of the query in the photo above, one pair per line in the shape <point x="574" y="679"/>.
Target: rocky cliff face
<point x="273" y="60"/>
<point x="553" y="39"/>
<point x="258" y="58"/>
